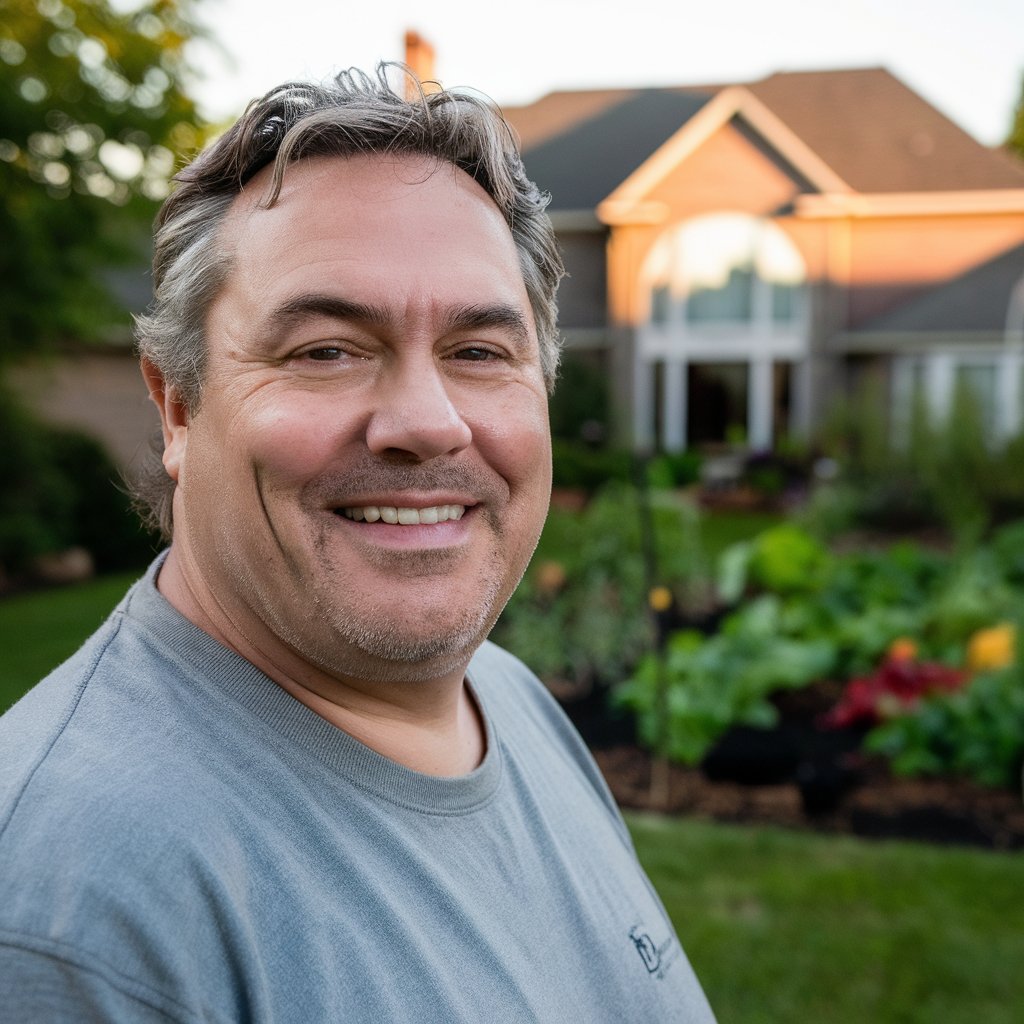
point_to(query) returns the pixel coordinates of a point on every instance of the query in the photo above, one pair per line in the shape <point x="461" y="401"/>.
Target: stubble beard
<point x="346" y="634"/>
<point x="391" y="648"/>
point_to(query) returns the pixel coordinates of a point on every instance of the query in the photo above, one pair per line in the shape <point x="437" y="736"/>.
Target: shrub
<point x="580" y="613"/>
<point x="721" y="681"/>
<point x="977" y="732"/>
<point x="61" y="490"/>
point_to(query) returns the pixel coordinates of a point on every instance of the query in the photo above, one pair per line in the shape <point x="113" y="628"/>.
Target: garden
<point x="827" y="640"/>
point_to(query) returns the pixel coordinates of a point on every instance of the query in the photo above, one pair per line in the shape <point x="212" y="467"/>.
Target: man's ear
<point x="173" y="417"/>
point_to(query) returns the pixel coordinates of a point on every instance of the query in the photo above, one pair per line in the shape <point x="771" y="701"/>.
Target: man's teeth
<point x="404" y="516"/>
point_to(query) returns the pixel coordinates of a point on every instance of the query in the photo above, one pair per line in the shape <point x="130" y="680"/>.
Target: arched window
<point x="728" y="269"/>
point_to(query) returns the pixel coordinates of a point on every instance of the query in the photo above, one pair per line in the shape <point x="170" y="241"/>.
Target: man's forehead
<point x="398" y="232"/>
<point x="367" y="178"/>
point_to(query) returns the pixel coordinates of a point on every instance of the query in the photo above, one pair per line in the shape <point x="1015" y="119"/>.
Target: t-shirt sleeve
<point x="58" y="986"/>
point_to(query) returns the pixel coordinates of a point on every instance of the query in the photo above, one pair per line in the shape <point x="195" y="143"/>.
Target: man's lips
<point x="403" y="515"/>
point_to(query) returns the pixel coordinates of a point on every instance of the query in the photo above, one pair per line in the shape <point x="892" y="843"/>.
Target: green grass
<point x="39" y="630"/>
<point x="789" y="926"/>
<point x="720" y="529"/>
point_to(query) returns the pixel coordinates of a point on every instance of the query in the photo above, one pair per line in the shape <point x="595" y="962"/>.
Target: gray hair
<point x="353" y="115"/>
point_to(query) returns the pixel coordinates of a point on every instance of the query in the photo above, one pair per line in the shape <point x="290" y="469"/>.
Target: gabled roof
<point x="977" y="301"/>
<point x="872" y="131"/>
<point x="583" y="164"/>
<point x="881" y="136"/>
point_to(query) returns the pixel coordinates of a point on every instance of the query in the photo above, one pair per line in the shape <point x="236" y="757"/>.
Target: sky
<point x="964" y="56"/>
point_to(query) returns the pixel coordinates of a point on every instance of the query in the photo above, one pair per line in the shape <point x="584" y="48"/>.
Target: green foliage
<point x="977" y="732"/>
<point x="1015" y="140"/>
<point x="579" y="465"/>
<point x="723" y="680"/>
<point x="580" y="407"/>
<point x="805" y="614"/>
<point x="61" y="490"/>
<point x="580" y="613"/>
<point x="787" y="559"/>
<point x="949" y="475"/>
<point x="674" y="469"/>
<point x="93" y="109"/>
<point x="583" y="466"/>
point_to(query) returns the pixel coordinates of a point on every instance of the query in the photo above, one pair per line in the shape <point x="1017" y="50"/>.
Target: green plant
<point x="580" y="613"/>
<point x="579" y="465"/>
<point x="61" y="489"/>
<point x="976" y="732"/>
<point x="723" y="680"/>
<point x="950" y="474"/>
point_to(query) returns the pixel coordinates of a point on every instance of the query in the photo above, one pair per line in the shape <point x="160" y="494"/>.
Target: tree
<point x="1016" y="139"/>
<point x="94" y="107"/>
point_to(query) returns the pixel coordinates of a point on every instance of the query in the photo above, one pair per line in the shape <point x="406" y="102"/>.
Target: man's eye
<point x="327" y="353"/>
<point x="476" y="354"/>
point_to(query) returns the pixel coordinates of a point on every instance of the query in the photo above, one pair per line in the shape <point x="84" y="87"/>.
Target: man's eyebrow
<point x="296" y="311"/>
<point x="479" y="316"/>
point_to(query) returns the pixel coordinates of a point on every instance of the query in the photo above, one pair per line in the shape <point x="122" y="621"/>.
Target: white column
<point x="939" y="380"/>
<point x="759" y="404"/>
<point x="800" y="397"/>
<point x="1008" y="411"/>
<point x="674" y="406"/>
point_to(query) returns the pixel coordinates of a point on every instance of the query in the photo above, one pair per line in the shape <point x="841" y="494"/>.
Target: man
<point x="288" y="780"/>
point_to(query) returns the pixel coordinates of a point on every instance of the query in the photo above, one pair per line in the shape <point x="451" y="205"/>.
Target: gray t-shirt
<point x="181" y="840"/>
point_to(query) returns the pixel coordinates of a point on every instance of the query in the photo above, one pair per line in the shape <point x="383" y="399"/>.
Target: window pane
<point x="661" y="305"/>
<point x="731" y="302"/>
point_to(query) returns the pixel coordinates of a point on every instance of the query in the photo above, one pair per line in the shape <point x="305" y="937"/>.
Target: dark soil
<point x="878" y="806"/>
<point x="799" y="775"/>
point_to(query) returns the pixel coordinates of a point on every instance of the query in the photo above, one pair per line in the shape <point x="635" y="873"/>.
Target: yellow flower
<point x="660" y="599"/>
<point x="992" y="648"/>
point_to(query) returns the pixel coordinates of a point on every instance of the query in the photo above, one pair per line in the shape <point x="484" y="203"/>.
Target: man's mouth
<point x="403" y="516"/>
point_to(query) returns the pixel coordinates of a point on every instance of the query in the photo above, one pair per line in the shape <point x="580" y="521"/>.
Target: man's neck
<point x="430" y="726"/>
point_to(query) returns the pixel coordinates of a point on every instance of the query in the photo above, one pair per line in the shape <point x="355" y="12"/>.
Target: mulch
<point x="801" y="776"/>
<point x="877" y="805"/>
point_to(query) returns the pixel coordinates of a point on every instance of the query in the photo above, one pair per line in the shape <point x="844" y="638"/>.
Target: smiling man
<point x="289" y="780"/>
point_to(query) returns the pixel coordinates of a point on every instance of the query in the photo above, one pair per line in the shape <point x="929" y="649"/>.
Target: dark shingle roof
<point x="873" y="131"/>
<point x="583" y="164"/>
<point x="976" y="301"/>
<point x="879" y="135"/>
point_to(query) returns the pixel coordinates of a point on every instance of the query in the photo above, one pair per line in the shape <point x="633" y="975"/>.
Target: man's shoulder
<point x="97" y="755"/>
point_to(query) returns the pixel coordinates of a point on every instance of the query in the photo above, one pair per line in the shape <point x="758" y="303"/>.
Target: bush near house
<point x="951" y="475"/>
<point x="61" y="490"/>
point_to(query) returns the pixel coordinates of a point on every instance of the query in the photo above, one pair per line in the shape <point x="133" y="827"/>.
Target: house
<point x="741" y="255"/>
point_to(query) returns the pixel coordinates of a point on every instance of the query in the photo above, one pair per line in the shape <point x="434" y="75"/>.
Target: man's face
<point x="372" y="350"/>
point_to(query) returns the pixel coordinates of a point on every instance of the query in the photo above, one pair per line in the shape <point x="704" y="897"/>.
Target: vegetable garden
<point x="901" y="657"/>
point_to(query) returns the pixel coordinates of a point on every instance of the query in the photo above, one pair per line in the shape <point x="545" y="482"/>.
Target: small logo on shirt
<point x="656" y="958"/>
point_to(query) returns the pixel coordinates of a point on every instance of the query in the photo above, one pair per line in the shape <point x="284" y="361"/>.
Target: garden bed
<point x="880" y="806"/>
<point x="799" y="775"/>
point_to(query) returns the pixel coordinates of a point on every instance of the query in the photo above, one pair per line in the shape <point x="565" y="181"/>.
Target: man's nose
<point x="416" y="417"/>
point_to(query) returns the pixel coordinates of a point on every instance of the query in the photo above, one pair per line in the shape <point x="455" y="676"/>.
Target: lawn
<point x="39" y="630"/>
<point x="790" y="927"/>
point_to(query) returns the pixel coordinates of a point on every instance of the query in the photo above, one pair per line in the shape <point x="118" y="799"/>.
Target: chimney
<point x="419" y="56"/>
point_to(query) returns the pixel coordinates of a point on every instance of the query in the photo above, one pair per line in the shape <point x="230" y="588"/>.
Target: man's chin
<point x="396" y="653"/>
